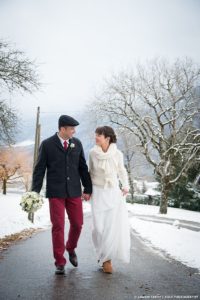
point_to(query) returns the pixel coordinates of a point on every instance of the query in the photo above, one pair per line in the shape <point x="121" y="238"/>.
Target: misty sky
<point x="77" y="43"/>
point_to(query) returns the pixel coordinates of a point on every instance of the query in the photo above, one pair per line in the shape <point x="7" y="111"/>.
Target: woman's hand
<point x="125" y="191"/>
<point x="86" y="197"/>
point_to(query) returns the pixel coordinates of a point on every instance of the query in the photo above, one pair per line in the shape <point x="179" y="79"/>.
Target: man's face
<point x="67" y="132"/>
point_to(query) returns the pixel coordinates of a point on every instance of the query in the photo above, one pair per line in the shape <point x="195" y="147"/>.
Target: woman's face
<point x="101" y="139"/>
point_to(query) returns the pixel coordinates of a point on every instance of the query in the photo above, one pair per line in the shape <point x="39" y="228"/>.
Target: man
<point x="63" y="157"/>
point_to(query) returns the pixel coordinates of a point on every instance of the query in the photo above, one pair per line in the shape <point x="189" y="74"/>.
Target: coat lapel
<point x="58" y="143"/>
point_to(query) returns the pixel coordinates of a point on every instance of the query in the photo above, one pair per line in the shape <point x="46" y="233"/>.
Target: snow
<point x="24" y="143"/>
<point x="180" y="243"/>
<point x="175" y="213"/>
<point x="152" y="192"/>
<point x="13" y="219"/>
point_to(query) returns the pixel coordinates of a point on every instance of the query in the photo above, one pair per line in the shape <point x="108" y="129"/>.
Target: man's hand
<point x="86" y="197"/>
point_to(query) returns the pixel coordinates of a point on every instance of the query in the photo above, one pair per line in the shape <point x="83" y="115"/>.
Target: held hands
<point x="86" y="197"/>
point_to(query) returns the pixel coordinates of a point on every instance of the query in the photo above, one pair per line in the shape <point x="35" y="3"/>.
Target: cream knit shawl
<point x="106" y="161"/>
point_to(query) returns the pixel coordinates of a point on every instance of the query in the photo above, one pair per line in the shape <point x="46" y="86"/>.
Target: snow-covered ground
<point x="182" y="244"/>
<point x="174" y="213"/>
<point x="13" y="219"/>
<point x="24" y="143"/>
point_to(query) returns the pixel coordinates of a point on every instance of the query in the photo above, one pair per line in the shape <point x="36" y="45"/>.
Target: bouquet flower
<point x="31" y="202"/>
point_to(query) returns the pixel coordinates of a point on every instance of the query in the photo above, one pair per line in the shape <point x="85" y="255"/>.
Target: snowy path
<point x="28" y="268"/>
<point x="176" y="233"/>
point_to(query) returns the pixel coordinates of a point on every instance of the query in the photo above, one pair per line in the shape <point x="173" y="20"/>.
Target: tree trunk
<point x="164" y="198"/>
<point x="4" y="186"/>
<point x="131" y="189"/>
<point x="128" y="168"/>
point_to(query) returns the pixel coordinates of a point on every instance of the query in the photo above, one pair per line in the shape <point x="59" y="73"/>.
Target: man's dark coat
<point x="66" y="169"/>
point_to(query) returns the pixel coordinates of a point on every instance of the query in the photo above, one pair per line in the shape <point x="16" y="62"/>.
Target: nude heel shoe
<point x="107" y="267"/>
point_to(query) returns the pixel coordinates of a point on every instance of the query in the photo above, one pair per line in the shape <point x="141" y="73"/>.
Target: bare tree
<point x="8" y="122"/>
<point x="8" y="168"/>
<point x="17" y="72"/>
<point x="15" y="165"/>
<point x="157" y="104"/>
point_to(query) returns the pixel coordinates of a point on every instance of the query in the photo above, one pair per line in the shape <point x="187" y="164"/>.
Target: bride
<point x="111" y="231"/>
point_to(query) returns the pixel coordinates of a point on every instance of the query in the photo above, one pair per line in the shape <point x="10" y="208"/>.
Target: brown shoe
<point x="107" y="267"/>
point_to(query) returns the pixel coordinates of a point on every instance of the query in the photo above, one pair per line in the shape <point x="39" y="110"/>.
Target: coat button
<point x="68" y="178"/>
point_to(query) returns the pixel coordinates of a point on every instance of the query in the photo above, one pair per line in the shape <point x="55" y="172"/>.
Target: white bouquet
<point x="31" y="202"/>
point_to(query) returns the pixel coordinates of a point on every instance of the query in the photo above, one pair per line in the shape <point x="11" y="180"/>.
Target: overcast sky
<point x="77" y="43"/>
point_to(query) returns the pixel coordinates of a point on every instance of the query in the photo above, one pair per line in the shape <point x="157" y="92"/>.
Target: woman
<point x="111" y="231"/>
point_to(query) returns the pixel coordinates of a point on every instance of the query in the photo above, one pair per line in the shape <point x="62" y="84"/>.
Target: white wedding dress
<point x="111" y="228"/>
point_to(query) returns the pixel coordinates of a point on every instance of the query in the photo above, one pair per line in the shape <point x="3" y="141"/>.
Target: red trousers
<point x="74" y="211"/>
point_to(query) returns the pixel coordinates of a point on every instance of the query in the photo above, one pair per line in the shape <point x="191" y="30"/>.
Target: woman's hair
<point x="107" y="131"/>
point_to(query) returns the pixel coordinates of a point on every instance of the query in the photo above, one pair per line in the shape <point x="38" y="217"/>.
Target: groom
<point x="63" y="157"/>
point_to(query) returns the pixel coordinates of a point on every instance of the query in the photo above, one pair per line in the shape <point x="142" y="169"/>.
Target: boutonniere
<point x="72" y="145"/>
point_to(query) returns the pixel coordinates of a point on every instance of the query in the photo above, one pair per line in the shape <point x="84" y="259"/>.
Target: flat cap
<point x="65" y="120"/>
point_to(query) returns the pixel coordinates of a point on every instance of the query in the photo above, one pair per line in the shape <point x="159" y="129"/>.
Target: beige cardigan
<point x="107" y="168"/>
